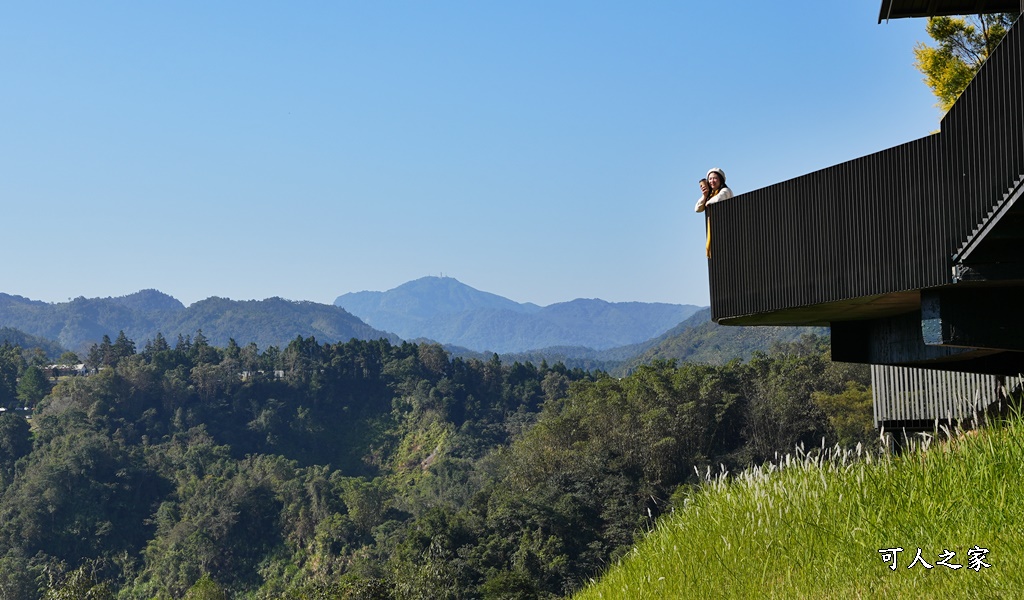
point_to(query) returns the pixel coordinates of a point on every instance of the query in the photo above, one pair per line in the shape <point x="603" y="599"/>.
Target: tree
<point x="37" y="357"/>
<point x="123" y="347"/>
<point x="15" y="442"/>
<point x="32" y="386"/>
<point x="233" y="350"/>
<point x="964" y="43"/>
<point x="160" y="343"/>
<point x="101" y="355"/>
<point x="206" y="589"/>
<point x="201" y="351"/>
<point x="80" y="584"/>
<point x="849" y="412"/>
<point x="69" y="359"/>
<point x="11" y="363"/>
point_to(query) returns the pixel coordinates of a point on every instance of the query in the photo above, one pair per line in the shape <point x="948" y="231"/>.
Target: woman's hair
<point x="721" y="174"/>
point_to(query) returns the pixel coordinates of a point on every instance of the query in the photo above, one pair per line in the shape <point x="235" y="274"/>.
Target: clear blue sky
<point x="540" y="150"/>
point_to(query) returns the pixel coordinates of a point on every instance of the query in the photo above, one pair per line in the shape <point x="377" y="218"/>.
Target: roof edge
<point x="903" y="9"/>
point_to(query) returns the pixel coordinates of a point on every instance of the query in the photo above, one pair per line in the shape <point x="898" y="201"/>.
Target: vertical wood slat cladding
<point x="926" y="397"/>
<point x="882" y="223"/>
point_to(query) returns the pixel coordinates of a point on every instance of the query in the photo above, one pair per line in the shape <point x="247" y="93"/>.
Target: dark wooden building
<point x="914" y="255"/>
<point x="899" y="9"/>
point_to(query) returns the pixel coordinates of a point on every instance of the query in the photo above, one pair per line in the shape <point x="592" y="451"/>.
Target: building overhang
<point x="926" y="273"/>
<point x="820" y="315"/>
<point x="991" y="259"/>
<point x="901" y="9"/>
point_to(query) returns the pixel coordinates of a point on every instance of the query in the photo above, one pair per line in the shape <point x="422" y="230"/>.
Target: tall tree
<point x="32" y="386"/>
<point x="201" y="351"/>
<point x="15" y="442"/>
<point x="101" y="355"/>
<point x="123" y="347"/>
<point x="963" y="45"/>
<point x="11" y="363"/>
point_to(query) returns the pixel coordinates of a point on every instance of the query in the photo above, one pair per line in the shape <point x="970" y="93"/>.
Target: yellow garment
<point x="709" y="238"/>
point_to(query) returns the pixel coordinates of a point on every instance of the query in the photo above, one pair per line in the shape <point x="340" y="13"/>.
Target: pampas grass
<point x="812" y="524"/>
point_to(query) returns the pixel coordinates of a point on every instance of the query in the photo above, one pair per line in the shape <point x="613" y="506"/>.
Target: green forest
<point x="373" y="470"/>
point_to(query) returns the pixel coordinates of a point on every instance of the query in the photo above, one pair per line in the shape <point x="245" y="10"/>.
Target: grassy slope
<point x="815" y="528"/>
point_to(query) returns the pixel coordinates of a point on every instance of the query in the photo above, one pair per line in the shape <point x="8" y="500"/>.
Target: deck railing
<point x="879" y="224"/>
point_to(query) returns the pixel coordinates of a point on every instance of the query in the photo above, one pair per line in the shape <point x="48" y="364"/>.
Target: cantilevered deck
<point x="913" y="255"/>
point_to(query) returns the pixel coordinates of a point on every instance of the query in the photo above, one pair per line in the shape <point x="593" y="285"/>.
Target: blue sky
<point x="543" y="151"/>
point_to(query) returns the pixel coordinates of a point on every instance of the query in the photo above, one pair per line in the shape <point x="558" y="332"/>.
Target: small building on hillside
<point x="62" y="370"/>
<point x="926" y="274"/>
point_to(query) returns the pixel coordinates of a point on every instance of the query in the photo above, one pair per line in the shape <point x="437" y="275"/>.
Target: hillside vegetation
<point x="695" y="340"/>
<point x="686" y="333"/>
<point x="21" y="339"/>
<point x="825" y="525"/>
<point x="79" y="323"/>
<point x="372" y="470"/>
<point x="698" y="339"/>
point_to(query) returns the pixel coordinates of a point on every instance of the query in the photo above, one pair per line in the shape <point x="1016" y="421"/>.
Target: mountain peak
<point x="451" y="312"/>
<point x="149" y="300"/>
<point x="424" y="299"/>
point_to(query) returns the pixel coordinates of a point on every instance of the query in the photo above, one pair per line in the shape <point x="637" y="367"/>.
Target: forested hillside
<point x="701" y="340"/>
<point x="695" y="340"/>
<point x="14" y="337"/>
<point x="79" y="323"/>
<point x="371" y="470"/>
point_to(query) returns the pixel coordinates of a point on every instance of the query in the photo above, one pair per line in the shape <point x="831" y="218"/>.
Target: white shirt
<point x="723" y="194"/>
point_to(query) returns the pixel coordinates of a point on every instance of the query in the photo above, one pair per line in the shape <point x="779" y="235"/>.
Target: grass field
<point x="815" y="526"/>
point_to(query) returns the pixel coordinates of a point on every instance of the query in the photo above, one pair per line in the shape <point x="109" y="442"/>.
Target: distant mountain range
<point x="590" y="334"/>
<point x="78" y="324"/>
<point x="450" y="312"/>
<point x="697" y="339"/>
